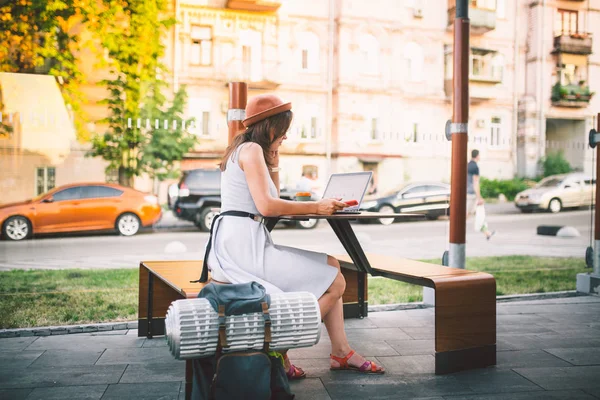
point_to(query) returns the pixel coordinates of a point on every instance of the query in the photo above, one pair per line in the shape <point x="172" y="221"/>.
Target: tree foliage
<point x="40" y="36"/>
<point x="130" y="31"/>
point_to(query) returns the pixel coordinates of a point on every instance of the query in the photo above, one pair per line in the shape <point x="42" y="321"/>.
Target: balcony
<point x="574" y="96"/>
<point x="265" y="76"/>
<point x="575" y="43"/>
<point x="482" y="19"/>
<point x="254" y="5"/>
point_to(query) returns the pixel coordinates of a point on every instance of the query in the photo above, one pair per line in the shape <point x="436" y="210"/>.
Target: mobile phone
<point x="351" y="203"/>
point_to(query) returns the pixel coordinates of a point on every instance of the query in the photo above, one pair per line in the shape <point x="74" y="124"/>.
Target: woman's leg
<point x="332" y="310"/>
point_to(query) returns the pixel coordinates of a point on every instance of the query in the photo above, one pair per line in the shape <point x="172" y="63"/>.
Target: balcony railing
<point x="575" y="43"/>
<point x="571" y="95"/>
<point x="254" y="5"/>
<point x="262" y="76"/>
<point x="482" y="19"/>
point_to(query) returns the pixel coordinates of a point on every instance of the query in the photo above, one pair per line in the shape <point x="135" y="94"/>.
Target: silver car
<point x="557" y="192"/>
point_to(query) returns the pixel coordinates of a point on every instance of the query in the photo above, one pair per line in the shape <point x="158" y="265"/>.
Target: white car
<point x="557" y="192"/>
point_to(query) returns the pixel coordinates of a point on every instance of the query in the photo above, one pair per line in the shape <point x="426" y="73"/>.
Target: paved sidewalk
<point x="547" y="349"/>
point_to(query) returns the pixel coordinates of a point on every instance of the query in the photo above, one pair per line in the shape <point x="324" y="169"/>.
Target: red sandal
<point x="294" y="373"/>
<point x="369" y="367"/>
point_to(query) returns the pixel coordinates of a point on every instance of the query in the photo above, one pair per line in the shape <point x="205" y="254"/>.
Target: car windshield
<point x="393" y="192"/>
<point x="547" y="183"/>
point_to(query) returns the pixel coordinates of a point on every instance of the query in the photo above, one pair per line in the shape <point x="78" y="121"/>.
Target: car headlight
<point x="151" y="199"/>
<point x="369" y="204"/>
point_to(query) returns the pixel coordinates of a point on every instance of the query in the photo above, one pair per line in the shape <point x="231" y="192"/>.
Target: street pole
<point x="590" y="283"/>
<point x="459" y="131"/>
<point x="238" y="95"/>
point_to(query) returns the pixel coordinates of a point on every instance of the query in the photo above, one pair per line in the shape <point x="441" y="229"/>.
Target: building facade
<point x="371" y="82"/>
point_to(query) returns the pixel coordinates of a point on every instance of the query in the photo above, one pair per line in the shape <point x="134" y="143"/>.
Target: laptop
<point x="348" y="186"/>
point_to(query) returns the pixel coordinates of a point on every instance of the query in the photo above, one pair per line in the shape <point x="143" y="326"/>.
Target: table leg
<point x="271" y="222"/>
<point x="346" y="235"/>
<point x="150" y="298"/>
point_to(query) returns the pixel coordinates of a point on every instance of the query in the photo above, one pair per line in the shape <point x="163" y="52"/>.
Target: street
<point x="516" y="235"/>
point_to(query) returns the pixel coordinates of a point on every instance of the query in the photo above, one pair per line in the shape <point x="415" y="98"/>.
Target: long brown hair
<point x="260" y="133"/>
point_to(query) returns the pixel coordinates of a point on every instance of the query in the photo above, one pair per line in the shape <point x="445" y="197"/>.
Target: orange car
<point x="80" y="207"/>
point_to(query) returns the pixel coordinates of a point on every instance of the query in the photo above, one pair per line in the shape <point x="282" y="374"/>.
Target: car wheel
<point x="555" y="206"/>
<point x="128" y="224"/>
<point x="388" y="210"/>
<point x="310" y="224"/>
<point x="205" y="218"/>
<point x="432" y="216"/>
<point x="16" y="228"/>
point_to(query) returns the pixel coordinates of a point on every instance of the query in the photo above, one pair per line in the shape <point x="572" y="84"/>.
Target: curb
<point x="68" y="329"/>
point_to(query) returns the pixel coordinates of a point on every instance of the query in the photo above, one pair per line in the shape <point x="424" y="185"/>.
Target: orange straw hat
<point x="264" y="106"/>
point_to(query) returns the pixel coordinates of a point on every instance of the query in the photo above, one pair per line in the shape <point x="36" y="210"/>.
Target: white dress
<point x="242" y="249"/>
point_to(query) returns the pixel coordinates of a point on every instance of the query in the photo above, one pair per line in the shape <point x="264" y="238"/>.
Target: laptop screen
<point x="350" y="186"/>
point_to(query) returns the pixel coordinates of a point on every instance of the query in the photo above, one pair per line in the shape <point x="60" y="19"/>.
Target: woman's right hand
<point x="329" y="206"/>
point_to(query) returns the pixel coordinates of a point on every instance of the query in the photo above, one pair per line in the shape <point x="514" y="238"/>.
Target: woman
<point x="242" y="249"/>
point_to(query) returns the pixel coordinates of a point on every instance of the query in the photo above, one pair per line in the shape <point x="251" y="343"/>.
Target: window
<point x="252" y="62"/>
<point x="68" y="194"/>
<point x="112" y="175"/>
<point x="484" y="4"/>
<point x="501" y="8"/>
<point x="309" y="51"/>
<point x="369" y="50"/>
<point x="495" y="132"/>
<point x="415" y="133"/>
<point x="199" y="109"/>
<point x="96" y="192"/>
<point x="413" y="54"/>
<point x="201" y="52"/>
<point x="565" y="22"/>
<point x="571" y="74"/>
<point x="310" y="170"/>
<point x="45" y="179"/>
<point x="313" y="127"/>
<point x="374" y="129"/>
<point x="486" y="64"/>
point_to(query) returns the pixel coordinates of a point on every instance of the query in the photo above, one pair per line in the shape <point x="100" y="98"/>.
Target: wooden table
<point x="340" y="223"/>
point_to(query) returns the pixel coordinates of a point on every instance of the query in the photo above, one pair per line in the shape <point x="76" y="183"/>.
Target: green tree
<point x="131" y="32"/>
<point x="39" y="36"/>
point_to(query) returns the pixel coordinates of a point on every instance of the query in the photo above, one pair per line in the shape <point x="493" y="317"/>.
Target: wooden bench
<point x="465" y="309"/>
<point x="162" y="282"/>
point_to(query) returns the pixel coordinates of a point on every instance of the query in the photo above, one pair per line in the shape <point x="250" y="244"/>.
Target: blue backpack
<point x="252" y="374"/>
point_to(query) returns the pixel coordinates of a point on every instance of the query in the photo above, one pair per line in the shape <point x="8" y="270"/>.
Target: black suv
<point x="199" y="198"/>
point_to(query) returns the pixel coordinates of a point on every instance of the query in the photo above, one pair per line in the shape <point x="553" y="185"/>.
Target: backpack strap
<point x="222" y="333"/>
<point x="267" y="317"/>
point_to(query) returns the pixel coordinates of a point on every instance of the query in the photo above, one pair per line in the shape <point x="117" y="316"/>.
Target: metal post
<point x="238" y="95"/>
<point x="597" y="214"/>
<point x="459" y="130"/>
<point x="590" y="283"/>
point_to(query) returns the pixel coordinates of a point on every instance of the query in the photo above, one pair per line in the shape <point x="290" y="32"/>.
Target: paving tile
<point x="354" y="323"/>
<point x="524" y="342"/>
<point x="495" y="380"/>
<point x="515" y="329"/>
<point x="17" y="343"/>
<point x="146" y="391"/>
<point x="18" y="359"/>
<point x="14" y="394"/>
<point x="397" y="322"/>
<point x="321" y="350"/>
<point x="138" y="373"/>
<point x="527" y="358"/>
<point x="137" y="356"/>
<point x="563" y="377"/>
<point x="88" y="392"/>
<point x="375" y="334"/>
<point x="583" y="356"/>
<point x="350" y="385"/>
<point x="538" y="395"/>
<point x="403" y="365"/>
<point x="309" y="389"/>
<point x="420" y="333"/>
<point x="519" y="318"/>
<point x="61" y="376"/>
<point x="594" y="392"/>
<point x="85" y="342"/>
<point x="156" y="342"/>
<point x="373" y="348"/>
<point x="413" y="347"/>
<point x="65" y="358"/>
